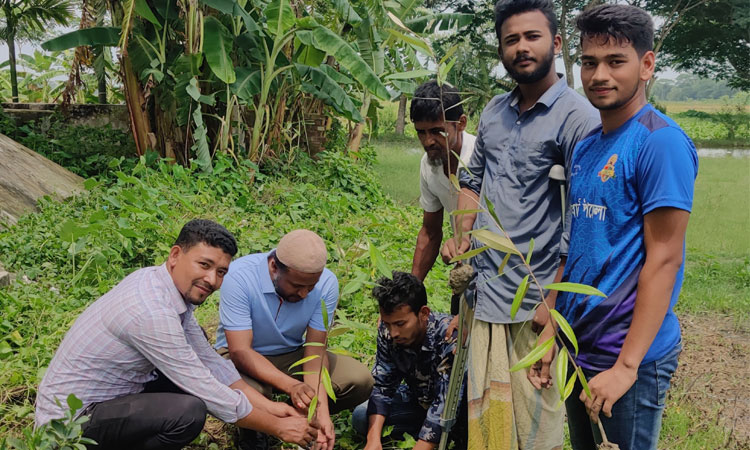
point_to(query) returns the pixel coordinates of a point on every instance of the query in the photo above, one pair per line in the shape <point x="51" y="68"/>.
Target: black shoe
<point x="251" y="440"/>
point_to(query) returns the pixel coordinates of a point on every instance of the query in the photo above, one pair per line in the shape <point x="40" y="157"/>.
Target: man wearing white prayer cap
<point x="271" y="305"/>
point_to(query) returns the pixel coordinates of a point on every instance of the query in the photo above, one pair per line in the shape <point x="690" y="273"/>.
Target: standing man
<point x="270" y="306"/>
<point x="521" y="135"/>
<point x="412" y="369"/>
<point x="440" y="122"/>
<point x="631" y="193"/>
<point x="142" y="366"/>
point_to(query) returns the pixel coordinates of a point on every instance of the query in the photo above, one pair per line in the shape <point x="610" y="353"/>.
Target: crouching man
<point x="271" y="305"/>
<point x="142" y="366"/>
<point x="412" y="369"/>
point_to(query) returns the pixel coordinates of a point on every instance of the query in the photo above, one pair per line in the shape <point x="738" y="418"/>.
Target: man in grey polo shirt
<point x="521" y="135"/>
<point x="440" y="122"/>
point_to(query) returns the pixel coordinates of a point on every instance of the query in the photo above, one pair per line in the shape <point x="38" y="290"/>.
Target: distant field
<point x="709" y="106"/>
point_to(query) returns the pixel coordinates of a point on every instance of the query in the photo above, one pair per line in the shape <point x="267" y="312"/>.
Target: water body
<point x="723" y="152"/>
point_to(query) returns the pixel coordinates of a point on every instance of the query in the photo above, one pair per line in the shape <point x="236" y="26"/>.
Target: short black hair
<point x="208" y="232"/>
<point x="282" y="267"/>
<point x="504" y="9"/>
<point x="403" y="289"/>
<point x="428" y="99"/>
<point x="624" y="23"/>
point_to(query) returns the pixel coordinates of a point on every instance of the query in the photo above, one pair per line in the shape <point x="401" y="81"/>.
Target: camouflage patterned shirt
<point x="420" y="374"/>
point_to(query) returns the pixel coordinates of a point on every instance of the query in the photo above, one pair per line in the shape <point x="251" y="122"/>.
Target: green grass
<point x="398" y="167"/>
<point x="718" y="244"/>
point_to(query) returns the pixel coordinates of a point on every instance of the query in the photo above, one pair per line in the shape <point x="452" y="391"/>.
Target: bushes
<point x="83" y="150"/>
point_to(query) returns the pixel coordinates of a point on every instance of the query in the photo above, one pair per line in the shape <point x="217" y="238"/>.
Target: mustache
<point x="601" y="85"/>
<point x="522" y="58"/>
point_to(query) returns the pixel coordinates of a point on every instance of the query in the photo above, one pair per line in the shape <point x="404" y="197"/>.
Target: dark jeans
<point x="407" y="417"/>
<point x="161" y="417"/>
<point x="636" y="417"/>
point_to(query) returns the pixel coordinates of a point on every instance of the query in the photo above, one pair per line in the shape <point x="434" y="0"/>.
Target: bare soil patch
<point x="714" y="374"/>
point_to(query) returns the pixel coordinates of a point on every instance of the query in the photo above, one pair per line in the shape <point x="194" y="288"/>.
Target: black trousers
<point x="162" y="417"/>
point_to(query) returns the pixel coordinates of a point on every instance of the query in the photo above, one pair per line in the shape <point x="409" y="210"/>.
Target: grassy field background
<point x="714" y="305"/>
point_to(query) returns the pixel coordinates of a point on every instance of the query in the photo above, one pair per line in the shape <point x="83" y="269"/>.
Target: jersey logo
<point x="609" y="169"/>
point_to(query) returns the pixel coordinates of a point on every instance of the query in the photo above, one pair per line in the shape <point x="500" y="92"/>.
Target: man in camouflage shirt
<point x="412" y="368"/>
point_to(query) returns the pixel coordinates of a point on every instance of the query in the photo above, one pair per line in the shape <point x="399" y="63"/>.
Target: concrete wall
<point x="93" y="115"/>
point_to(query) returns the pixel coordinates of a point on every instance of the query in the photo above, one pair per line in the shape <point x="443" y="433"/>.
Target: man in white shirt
<point x="440" y="122"/>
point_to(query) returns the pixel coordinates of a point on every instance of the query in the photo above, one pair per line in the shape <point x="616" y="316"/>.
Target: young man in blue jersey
<point x="631" y="191"/>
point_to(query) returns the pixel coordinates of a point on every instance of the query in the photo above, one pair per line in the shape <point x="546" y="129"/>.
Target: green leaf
<point x="520" y="294"/>
<point x="346" y="12"/>
<point x="331" y="43"/>
<point x="280" y="17"/>
<point x="584" y="383"/>
<point x="200" y="141"/>
<point x="311" y="409"/>
<point x="565" y="328"/>
<point x="352" y="287"/>
<point x="454" y="181"/>
<point x="503" y="264"/>
<point x="247" y="84"/>
<point x="534" y="355"/>
<point x="217" y="46"/>
<point x="495" y="241"/>
<point x="308" y="372"/>
<point x="233" y="8"/>
<point x="71" y="231"/>
<point x="418" y="43"/>
<point x="569" y="387"/>
<point x="74" y="403"/>
<point x="193" y="90"/>
<point x="16" y="338"/>
<point x="325" y="88"/>
<point x="378" y="262"/>
<point x="531" y="251"/>
<point x="339" y="351"/>
<point x="107" y="36"/>
<point x="141" y="7"/>
<point x="303" y="360"/>
<point x="469" y="254"/>
<point x="313" y="344"/>
<point x="338" y="331"/>
<point x="327" y="384"/>
<point x="491" y="210"/>
<point x="576" y="288"/>
<point x="418" y="73"/>
<point x="324" y="312"/>
<point x="561" y="371"/>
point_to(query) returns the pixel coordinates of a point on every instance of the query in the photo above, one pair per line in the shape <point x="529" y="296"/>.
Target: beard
<point x="435" y="162"/>
<point x="540" y="72"/>
<point x="617" y="103"/>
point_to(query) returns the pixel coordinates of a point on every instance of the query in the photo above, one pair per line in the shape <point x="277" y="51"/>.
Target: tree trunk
<point x="12" y="63"/>
<point x="567" y="57"/>
<point x="136" y="101"/>
<point x="401" y="119"/>
<point x="355" y="138"/>
<point x="101" y="89"/>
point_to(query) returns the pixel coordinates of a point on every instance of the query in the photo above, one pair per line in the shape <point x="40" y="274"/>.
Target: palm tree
<point x="23" y="18"/>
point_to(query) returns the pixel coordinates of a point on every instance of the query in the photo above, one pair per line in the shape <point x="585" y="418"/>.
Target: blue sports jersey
<point x="617" y="178"/>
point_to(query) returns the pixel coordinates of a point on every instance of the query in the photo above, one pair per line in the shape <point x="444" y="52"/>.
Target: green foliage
<point x="84" y="150"/>
<point x="63" y="434"/>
